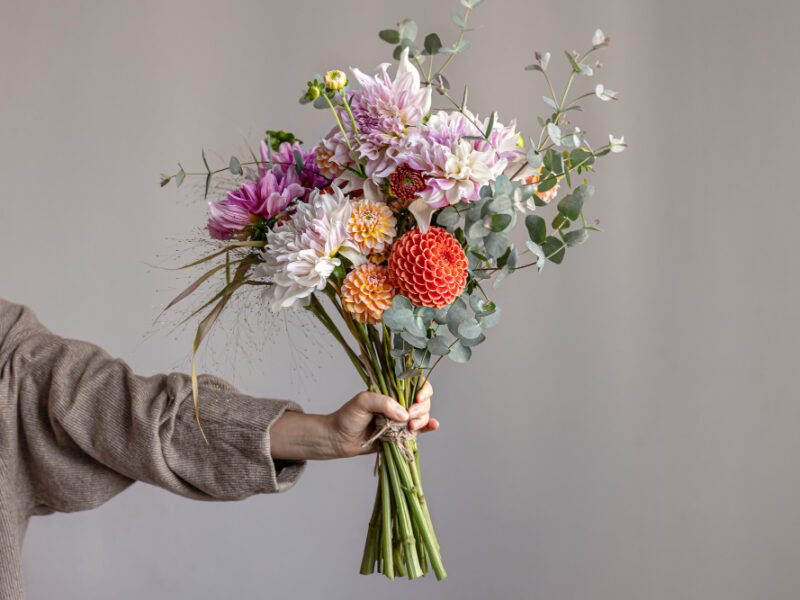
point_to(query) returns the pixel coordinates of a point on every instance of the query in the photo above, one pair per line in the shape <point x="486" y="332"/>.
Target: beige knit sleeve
<point x="89" y="425"/>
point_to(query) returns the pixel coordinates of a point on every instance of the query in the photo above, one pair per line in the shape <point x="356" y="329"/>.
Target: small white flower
<point x="616" y="144"/>
<point x="604" y="94"/>
<point x="599" y="38"/>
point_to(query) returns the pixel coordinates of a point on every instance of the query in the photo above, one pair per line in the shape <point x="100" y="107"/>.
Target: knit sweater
<point x="77" y="427"/>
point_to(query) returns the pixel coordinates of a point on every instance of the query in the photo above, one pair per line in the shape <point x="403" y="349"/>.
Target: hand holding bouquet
<point x="394" y="229"/>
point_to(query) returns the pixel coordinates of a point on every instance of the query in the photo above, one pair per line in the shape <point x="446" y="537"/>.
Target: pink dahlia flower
<point x="309" y="177"/>
<point x="384" y="111"/>
<point x="268" y="198"/>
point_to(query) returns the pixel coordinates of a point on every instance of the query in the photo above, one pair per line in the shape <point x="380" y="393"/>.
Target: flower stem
<point x="403" y="516"/>
<point x="386" y="539"/>
<point x="368" y="560"/>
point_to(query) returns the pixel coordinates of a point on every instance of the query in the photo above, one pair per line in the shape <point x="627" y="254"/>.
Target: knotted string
<point x="395" y="432"/>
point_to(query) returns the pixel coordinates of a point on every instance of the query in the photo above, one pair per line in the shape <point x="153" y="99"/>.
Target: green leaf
<point x="459" y="20"/>
<point x="179" y="177"/>
<point x="432" y="43"/>
<point x="500" y="222"/>
<point x="208" y="185"/>
<point x="501" y="276"/>
<point x="400" y="301"/>
<point x="534" y="158"/>
<point x="391" y="36"/>
<point x="298" y="162"/>
<point x="476" y="303"/>
<point x="425" y="313"/>
<point x="477" y="231"/>
<point x="560" y="222"/>
<point x="455" y="314"/>
<point x="503" y="185"/>
<point x="554" y="131"/>
<point x="537" y="228"/>
<point x="448" y="217"/>
<point x="490" y="319"/>
<point x="459" y="353"/>
<point x="415" y="340"/>
<point x="440" y="315"/>
<point x="549" y="101"/>
<point x="234" y="166"/>
<point x="472" y="342"/>
<point x="575" y="66"/>
<point x="570" y="206"/>
<point x="576" y="238"/>
<point x="552" y="160"/>
<point x="489" y="125"/>
<point x="408" y="30"/>
<point x="538" y="252"/>
<point x="469" y="329"/>
<point x="533" y="68"/>
<point x="471" y="3"/>
<point x="496" y="243"/>
<point x="464" y="98"/>
<point x="546" y="184"/>
<point x="579" y="156"/>
<point x="438" y="345"/>
<point x="408" y="373"/>
<point x="416" y="327"/>
<point x="554" y="249"/>
<point x="396" y="319"/>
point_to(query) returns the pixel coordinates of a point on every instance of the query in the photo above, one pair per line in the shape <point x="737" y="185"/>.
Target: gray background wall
<point x="631" y="432"/>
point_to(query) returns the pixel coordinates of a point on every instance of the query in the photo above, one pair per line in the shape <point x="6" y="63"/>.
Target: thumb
<point x="371" y="403"/>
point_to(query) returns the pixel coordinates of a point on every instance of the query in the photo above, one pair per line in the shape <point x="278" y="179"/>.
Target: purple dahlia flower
<point x="268" y="198"/>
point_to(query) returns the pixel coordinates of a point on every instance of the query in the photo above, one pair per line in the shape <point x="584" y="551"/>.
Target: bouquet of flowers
<point x="389" y="229"/>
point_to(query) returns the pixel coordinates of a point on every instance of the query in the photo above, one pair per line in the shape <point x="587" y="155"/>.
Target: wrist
<point x="301" y="436"/>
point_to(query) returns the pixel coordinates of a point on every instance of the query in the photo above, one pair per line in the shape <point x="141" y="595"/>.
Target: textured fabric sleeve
<point x="89" y="426"/>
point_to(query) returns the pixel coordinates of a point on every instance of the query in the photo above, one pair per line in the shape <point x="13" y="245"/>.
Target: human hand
<point x="343" y="433"/>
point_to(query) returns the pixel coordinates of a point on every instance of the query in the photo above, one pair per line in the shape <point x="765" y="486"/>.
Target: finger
<point x="419" y="423"/>
<point x="425" y="392"/>
<point x="432" y="425"/>
<point x="378" y="403"/>
<point x="420" y="409"/>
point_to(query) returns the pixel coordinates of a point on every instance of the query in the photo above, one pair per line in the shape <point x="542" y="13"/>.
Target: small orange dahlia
<point x="430" y="269"/>
<point x="371" y="226"/>
<point x="323" y="156"/>
<point x="366" y="292"/>
<point x="547" y="196"/>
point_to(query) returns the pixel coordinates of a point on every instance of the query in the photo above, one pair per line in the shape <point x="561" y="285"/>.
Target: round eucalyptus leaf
<point x="477" y="303"/>
<point x="438" y="345"/>
<point x="490" y="319"/>
<point x="473" y="342"/>
<point x="469" y="329"/>
<point x="416" y="341"/>
<point x="459" y="353"/>
<point x="496" y="243"/>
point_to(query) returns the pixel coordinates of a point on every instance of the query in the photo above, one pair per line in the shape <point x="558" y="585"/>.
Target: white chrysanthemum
<point x="300" y="254"/>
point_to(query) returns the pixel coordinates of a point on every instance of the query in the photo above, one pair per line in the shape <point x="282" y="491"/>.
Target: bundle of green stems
<point x="400" y="537"/>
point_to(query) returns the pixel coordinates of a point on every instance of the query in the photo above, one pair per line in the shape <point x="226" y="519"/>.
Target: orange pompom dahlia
<point x="372" y="226"/>
<point x="430" y="269"/>
<point x="366" y="292"/>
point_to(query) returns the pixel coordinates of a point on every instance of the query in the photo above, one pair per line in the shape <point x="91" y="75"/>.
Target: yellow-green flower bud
<point x="312" y="93"/>
<point x="335" y="80"/>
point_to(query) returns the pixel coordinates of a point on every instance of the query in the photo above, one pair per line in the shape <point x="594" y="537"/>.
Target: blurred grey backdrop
<point x="631" y="431"/>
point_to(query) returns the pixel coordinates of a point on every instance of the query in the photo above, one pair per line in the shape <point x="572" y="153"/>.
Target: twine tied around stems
<point x="395" y="432"/>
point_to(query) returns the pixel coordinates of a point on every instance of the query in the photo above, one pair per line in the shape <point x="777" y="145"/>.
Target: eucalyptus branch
<point x="458" y="42"/>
